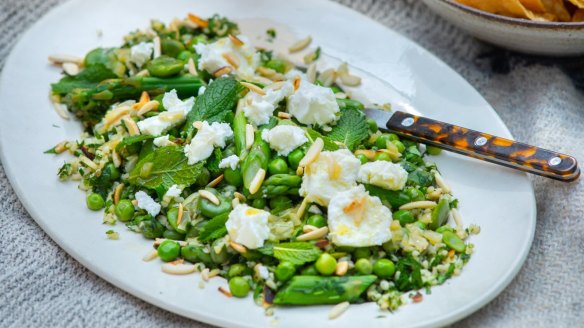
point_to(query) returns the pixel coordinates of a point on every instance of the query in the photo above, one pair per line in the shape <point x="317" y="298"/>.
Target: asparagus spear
<point x="310" y="290"/>
<point x="257" y="158"/>
<point x="239" y="123"/>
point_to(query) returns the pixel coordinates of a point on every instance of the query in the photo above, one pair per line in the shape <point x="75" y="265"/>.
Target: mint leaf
<point x="214" y="228"/>
<point x="169" y="167"/>
<point x="87" y="78"/>
<point x="296" y="253"/>
<point x="351" y="129"/>
<point x="328" y="143"/>
<point x="267" y="249"/>
<point x="214" y="160"/>
<point x="127" y="141"/>
<point x="214" y="105"/>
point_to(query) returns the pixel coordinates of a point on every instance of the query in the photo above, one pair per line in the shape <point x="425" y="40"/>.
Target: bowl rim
<point x="513" y="20"/>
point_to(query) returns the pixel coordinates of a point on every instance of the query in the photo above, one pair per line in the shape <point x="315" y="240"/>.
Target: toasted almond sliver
<point x="338" y="309"/>
<point x="342" y="268"/>
<point x="189" y="23"/>
<point x="70" y="68"/>
<point x="418" y="204"/>
<point x="131" y="125"/>
<point x="441" y="183"/>
<point x="249" y="136"/>
<point x="89" y="163"/>
<point x="315" y="234"/>
<point x="61" y="110"/>
<point x="238" y="247"/>
<point x="312" y="153"/>
<point x="192" y="67"/>
<point x="231" y="59"/>
<point x="370" y="154"/>
<point x="215" y="181"/>
<point x="236" y="41"/>
<point x="254" y="88"/>
<point x="59" y="59"/>
<point x="284" y="115"/>
<point x="234" y="202"/>
<point x="209" y="196"/>
<point x="198" y="125"/>
<point x="179" y="268"/>
<point x="301" y="209"/>
<point x="296" y="83"/>
<point x="60" y="147"/>
<point x="267" y="72"/>
<point x="157" y="47"/>
<point x="457" y="219"/>
<point x="148" y="106"/>
<point x="257" y="181"/>
<point x="308" y="228"/>
<point x="350" y="80"/>
<point x="180" y="214"/>
<point x="205" y="274"/>
<point x="143" y="72"/>
<point x="328" y="76"/>
<point x="311" y="73"/>
<point x="151" y="255"/>
<point x="118" y="193"/>
<point x="222" y="71"/>
<point x="170" y="116"/>
<point x="341" y="95"/>
<point x="197" y="20"/>
<point x="240" y="196"/>
<point x="300" y="44"/>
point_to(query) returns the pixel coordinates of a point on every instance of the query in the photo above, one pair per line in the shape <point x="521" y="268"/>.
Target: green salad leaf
<point x="296" y="253"/>
<point x="168" y="166"/>
<point x="351" y="129"/>
<point x="214" y="228"/>
<point x="87" y="78"/>
<point x="127" y="141"/>
<point x="328" y="143"/>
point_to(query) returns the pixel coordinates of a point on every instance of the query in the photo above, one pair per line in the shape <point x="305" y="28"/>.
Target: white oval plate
<point x="499" y="200"/>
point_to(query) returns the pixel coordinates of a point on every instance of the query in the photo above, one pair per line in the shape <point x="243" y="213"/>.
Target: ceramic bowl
<point x="537" y="38"/>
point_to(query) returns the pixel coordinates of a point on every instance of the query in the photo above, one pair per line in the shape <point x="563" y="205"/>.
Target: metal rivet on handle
<point x="408" y="121"/>
<point x="555" y="161"/>
<point x="480" y="141"/>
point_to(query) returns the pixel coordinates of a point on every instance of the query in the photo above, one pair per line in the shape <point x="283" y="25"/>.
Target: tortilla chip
<point x="558" y="9"/>
<point x="578" y="16"/>
<point x="577" y="3"/>
<point x="511" y="8"/>
<point x="534" y="5"/>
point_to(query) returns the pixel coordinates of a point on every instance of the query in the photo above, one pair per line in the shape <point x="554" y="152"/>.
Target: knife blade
<point x="480" y="145"/>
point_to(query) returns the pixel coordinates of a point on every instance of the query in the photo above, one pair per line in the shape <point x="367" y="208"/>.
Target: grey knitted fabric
<point x="541" y="100"/>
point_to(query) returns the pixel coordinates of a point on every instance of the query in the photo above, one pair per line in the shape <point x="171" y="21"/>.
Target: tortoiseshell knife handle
<point x="485" y="146"/>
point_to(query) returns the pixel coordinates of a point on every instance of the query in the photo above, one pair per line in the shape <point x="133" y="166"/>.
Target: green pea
<point x="165" y="66"/>
<point x="382" y="157"/>
<point x="95" y="202"/>
<point x="309" y="271"/>
<point x="277" y="65"/>
<point x="453" y="241"/>
<point x="372" y="125"/>
<point x="362" y="253"/>
<point x="239" y="287"/>
<point x="233" y="177"/>
<point x="284" y="271"/>
<point x="259" y="203"/>
<point x="124" y="210"/>
<point x="295" y="157"/>
<point x="173" y="235"/>
<point x="326" y="264"/>
<point x="280" y="203"/>
<point x="237" y="270"/>
<point x="112" y="171"/>
<point x="384" y="268"/>
<point x="211" y="210"/>
<point x="168" y="250"/>
<point x="393" y="137"/>
<point x="362" y="158"/>
<point x="415" y="194"/>
<point x="381" y="142"/>
<point x="195" y="254"/>
<point x="185" y="55"/>
<point x="399" y="145"/>
<point x="171" y="47"/>
<point x="404" y="217"/>
<point x="151" y="228"/>
<point x="316" y="220"/>
<point x="278" y="166"/>
<point x="363" y="266"/>
<point x="431" y="150"/>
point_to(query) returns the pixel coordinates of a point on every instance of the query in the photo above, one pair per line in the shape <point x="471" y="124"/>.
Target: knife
<point x="479" y="145"/>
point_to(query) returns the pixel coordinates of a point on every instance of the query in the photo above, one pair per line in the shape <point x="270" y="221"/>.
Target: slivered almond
<point x="89" y="163"/>
<point x="257" y="181"/>
<point x="441" y="183"/>
<point x="225" y="292"/>
<point x="370" y="154"/>
<point x="350" y="80"/>
<point x="157" y="47"/>
<point x="151" y="255"/>
<point x="198" y="20"/>
<point x="170" y="116"/>
<point x="209" y="196"/>
<point x="311" y="73"/>
<point x="113" y="116"/>
<point x="267" y="72"/>
<point x="144" y="97"/>
<point x="70" y="68"/>
<point x="148" y="106"/>
<point x="198" y="125"/>
<point x="238" y="247"/>
<point x="215" y="181"/>
<point x="315" y="234"/>
<point x="236" y="41"/>
<point x="328" y="77"/>
<point x="308" y="228"/>
<point x="418" y="204"/>
<point x="338" y="309"/>
<point x="131" y="125"/>
<point x="301" y="209"/>
<point x="59" y="59"/>
<point x="135" y="202"/>
<point x="231" y="59"/>
<point x="284" y="115"/>
<point x="188" y="23"/>
<point x="143" y="72"/>
<point x="192" y="67"/>
<point x="118" y="193"/>
<point x="313" y="152"/>
<point x="222" y="71"/>
<point x="205" y="274"/>
<point x="249" y="136"/>
<point x="178" y="268"/>
<point x="61" y="110"/>
<point x="296" y="82"/>
<point x="240" y="196"/>
<point x="342" y="268"/>
<point x="457" y="219"/>
<point x="159" y="241"/>
<point x="300" y="170"/>
<point x="300" y="44"/>
<point x="341" y="95"/>
<point x="254" y="88"/>
<point x="181" y="212"/>
<point x="234" y="202"/>
<point x="60" y="147"/>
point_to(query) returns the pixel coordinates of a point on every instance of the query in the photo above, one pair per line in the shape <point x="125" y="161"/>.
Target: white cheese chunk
<point x="155" y="126"/>
<point x="163" y="141"/>
<point x="284" y="138"/>
<point x="331" y="173"/>
<point x="258" y="109"/>
<point x="229" y="162"/>
<point x="173" y="191"/>
<point x="209" y="136"/>
<point x="383" y="174"/>
<point x="146" y="203"/>
<point x="248" y="226"/>
<point x="213" y="56"/>
<point x="141" y="53"/>
<point x="313" y="104"/>
<point x="357" y="219"/>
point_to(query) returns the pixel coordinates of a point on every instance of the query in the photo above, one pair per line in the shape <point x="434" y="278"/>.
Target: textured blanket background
<point x="541" y="100"/>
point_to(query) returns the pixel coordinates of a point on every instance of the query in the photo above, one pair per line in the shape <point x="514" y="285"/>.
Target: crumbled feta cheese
<point x="155" y="126"/>
<point x="248" y="226"/>
<point x="313" y="104"/>
<point x="291" y="74"/>
<point x="208" y="137"/>
<point x="230" y="161"/>
<point x="201" y="91"/>
<point x="173" y="191"/>
<point x="146" y="203"/>
<point x="258" y="109"/>
<point x="357" y="219"/>
<point x="331" y="173"/>
<point x="262" y="272"/>
<point x="163" y="141"/>
<point x="212" y="56"/>
<point x="284" y="138"/>
<point x="383" y="174"/>
<point x="141" y="53"/>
